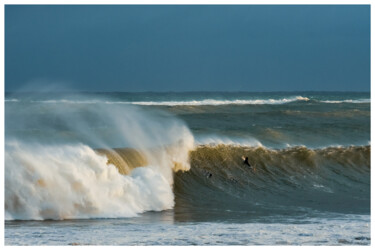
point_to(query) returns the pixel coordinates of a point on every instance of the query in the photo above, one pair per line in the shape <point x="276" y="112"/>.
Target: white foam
<point x="225" y="140"/>
<point x="65" y="182"/>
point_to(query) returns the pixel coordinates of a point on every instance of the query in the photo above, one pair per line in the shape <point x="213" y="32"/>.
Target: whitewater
<point x="141" y="163"/>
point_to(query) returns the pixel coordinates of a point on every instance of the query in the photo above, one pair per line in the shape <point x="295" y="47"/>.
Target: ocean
<point x="85" y="168"/>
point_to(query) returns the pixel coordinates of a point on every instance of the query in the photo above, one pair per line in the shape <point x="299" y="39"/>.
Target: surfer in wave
<point x="246" y="162"/>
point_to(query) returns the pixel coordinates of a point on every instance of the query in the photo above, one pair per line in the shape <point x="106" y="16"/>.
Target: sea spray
<point x="54" y="171"/>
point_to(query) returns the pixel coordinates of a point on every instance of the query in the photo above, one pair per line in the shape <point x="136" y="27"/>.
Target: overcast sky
<point x="188" y="48"/>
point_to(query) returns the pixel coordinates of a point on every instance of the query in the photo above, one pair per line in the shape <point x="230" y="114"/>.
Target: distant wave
<point x="11" y="100"/>
<point x="211" y="102"/>
<point x="223" y="102"/>
<point x="348" y="101"/>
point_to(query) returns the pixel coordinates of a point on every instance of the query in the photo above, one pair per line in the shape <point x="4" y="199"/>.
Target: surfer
<point x="246" y="161"/>
<point x="208" y="174"/>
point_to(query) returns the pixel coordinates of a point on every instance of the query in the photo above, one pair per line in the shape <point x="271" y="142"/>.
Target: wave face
<point x="286" y="181"/>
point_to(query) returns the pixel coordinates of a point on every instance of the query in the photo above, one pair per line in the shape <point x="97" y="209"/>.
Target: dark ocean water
<point x="82" y="157"/>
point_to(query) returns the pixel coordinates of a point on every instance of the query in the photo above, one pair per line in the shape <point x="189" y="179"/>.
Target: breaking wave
<point x="55" y="177"/>
<point x="79" y="182"/>
<point x="332" y="179"/>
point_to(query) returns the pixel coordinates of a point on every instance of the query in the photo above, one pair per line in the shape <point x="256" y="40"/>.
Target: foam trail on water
<point x="64" y="178"/>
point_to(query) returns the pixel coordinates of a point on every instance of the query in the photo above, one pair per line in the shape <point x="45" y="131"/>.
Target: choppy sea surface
<point x="168" y="168"/>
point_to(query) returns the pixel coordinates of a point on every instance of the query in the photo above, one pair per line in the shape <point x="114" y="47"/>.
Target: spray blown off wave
<point x="57" y="177"/>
